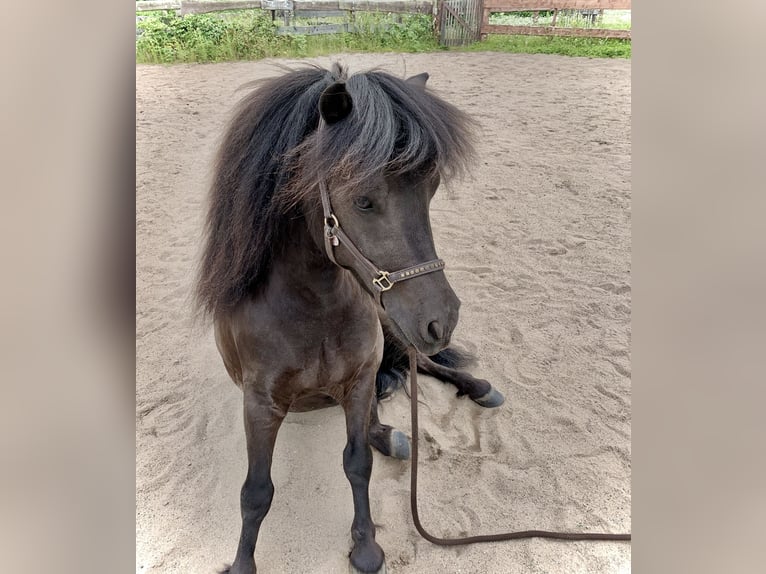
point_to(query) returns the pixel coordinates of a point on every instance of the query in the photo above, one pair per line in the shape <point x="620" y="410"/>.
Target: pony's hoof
<point x="354" y="570"/>
<point x="367" y="558"/>
<point x="492" y="399"/>
<point x="229" y="569"/>
<point x="400" y="446"/>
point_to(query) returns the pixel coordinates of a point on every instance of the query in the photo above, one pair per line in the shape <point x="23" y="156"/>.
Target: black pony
<point x="322" y="182"/>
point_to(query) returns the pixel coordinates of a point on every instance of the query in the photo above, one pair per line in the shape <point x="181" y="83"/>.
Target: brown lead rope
<point x="383" y="281"/>
<point x="486" y="537"/>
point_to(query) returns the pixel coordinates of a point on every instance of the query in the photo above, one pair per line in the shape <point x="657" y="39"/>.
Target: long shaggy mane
<point x="272" y="158"/>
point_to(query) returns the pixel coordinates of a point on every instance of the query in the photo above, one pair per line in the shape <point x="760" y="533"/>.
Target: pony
<point x="322" y="183"/>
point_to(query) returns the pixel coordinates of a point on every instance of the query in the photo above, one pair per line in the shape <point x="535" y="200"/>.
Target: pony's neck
<point x="302" y="267"/>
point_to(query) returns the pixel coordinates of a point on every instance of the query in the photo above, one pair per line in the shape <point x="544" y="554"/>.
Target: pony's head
<point x="382" y="149"/>
<point x="384" y="146"/>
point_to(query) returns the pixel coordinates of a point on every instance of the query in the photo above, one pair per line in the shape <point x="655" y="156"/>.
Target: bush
<point x="406" y="33"/>
<point x="251" y="35"/>
<point x="208" y="38"/>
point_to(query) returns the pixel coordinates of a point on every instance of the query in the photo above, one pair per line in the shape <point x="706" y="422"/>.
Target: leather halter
<point x="377" y="280"/>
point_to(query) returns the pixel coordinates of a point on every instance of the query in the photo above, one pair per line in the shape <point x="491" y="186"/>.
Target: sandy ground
<point x="537" y="245"/>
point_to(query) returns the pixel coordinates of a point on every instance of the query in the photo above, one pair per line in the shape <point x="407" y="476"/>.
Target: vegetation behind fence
<point x="165" y="37"/>
<point x="202" y="31"/>
<point x="588" y="10"/>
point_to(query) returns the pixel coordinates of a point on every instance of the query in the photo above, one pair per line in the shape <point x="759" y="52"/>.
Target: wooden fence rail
<point x="458" y="21"/>
<point x="201" y="6"/>
<point x="524" y="5"/>
<point x="490" y="6"/>
<point x="553" y="31"/>
<point x="296" y="8"/>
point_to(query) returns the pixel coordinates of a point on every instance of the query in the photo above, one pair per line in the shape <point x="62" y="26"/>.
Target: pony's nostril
<point x="436" y="330"/>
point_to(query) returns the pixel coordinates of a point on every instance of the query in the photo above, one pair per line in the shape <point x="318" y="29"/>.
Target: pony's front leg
<point x="262" y="421"/>
<point x="366" y="555"/>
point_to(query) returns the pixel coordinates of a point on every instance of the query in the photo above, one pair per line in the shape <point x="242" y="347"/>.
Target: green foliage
<point x="527" y="13"/>
<point x="586" y="47"/>
<point x="413" y="32"/>
<point x="251" y="35"/>
<point x="168" y="38"/>
<point x="610" y="19"/>
<point x="386" y="33"/>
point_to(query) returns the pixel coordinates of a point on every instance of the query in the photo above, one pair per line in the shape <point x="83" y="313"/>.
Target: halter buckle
<point x="379" y="282"/>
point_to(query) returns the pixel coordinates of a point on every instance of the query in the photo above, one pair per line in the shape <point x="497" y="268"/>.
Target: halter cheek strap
<point x="375" y="279"/>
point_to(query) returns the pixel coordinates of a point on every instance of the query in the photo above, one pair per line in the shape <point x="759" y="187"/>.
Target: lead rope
<point x="485" y="537"/>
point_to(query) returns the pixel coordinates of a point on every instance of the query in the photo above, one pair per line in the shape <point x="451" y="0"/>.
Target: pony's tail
<point x="388" y="381"/>
<point x="395" y="367"/>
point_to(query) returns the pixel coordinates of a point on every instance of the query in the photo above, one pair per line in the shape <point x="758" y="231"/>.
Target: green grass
<point x="251" y="35"/>
<point x="583" y="47"/>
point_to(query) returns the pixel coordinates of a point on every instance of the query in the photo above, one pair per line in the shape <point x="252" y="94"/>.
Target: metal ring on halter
<point x="334" y="219"/>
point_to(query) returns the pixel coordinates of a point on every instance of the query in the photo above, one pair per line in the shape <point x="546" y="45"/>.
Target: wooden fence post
<point x="438" y="29"/>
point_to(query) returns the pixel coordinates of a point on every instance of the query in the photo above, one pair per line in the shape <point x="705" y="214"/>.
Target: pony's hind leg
<point x="479" y="390"/>
<point x="262" y="421"/>
<point x="366" y="555"/>
<point x="386" y="439"/>
<point x="390" y="376"/>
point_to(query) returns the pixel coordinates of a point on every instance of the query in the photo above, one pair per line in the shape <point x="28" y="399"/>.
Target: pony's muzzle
<point x="438" y="322"/>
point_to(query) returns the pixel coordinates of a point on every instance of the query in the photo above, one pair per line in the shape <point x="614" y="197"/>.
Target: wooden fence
<point x="556" y="6"/>
<point x="183" y="7"/>
<point x="296" y="9"/>
<point x="457" y="21"/>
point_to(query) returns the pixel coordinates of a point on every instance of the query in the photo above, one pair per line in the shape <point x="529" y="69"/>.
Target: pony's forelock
<point x="395" y="127"/>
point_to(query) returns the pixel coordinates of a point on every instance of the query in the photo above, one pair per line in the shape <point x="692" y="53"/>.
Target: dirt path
<point x="537" y="246"/>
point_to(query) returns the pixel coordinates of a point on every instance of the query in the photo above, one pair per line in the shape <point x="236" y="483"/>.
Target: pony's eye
<point x="363" y="203"/>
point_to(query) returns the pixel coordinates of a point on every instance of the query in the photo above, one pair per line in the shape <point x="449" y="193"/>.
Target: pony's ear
<point x="335" y="103"/>
<point x="419" y="80"/>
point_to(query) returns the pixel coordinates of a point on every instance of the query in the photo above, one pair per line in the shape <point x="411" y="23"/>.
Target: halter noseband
<point x="380" y="281"/>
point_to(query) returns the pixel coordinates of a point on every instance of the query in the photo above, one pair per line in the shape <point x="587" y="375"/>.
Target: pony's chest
<point x="305" y="351"/>
<point x="323" y="373"/>
<point x="343" y="355"/>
